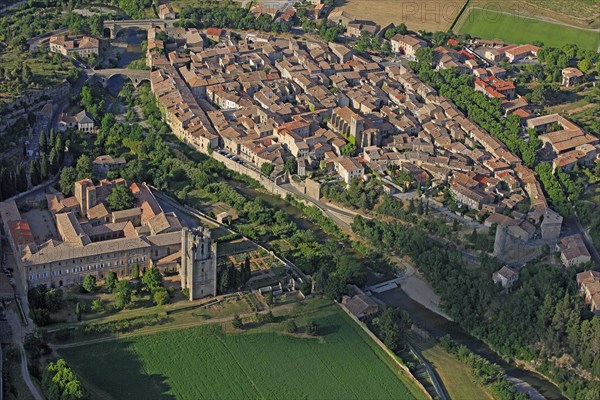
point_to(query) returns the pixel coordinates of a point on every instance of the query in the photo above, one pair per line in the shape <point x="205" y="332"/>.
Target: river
<point x="439" y="326"/>
<point x="132" y="52"/>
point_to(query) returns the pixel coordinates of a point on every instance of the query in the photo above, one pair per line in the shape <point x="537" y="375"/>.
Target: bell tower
<point x="198" y="269"/>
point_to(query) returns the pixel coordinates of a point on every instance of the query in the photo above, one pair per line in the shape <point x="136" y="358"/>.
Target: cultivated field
<point x="429" y="15"/>
<point x="579" y="12"/>
<point x="511" y="28"/>
<point x="212" y="362"/>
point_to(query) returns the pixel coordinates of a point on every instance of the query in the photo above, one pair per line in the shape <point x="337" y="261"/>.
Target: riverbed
<point x="438" y="326"/>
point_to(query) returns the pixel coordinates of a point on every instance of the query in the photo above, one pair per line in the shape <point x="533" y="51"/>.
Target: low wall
<point x="268" y="184"/>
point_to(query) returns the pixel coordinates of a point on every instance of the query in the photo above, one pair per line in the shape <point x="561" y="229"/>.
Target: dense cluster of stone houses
<point x="265" y="99"/>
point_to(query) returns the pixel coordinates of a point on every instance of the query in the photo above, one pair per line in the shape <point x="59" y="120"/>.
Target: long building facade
<point x="90" y="239"/>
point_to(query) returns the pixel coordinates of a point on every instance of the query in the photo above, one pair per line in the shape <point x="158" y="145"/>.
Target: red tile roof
<point x="20" y="232"/>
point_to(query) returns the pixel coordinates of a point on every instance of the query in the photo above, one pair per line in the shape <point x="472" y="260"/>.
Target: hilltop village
<point x="201" y="171"/>
<point x="262" y="100"/>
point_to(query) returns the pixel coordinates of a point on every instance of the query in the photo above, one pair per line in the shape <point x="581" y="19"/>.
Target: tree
<point x="110" y="281"/>
<point x="21" y="178"/>
<point x="152" y="278"/>
<point x="84" y="167"/>
<point x="312" y="328"/>
<point x="270" y="297"/>
<point x="61" y="383"/>
<point x="267" y="169"/>
<point x="34" y="172"/>
<point x="121" y="198"/>
<point x="97" y="305"/>
<point x="40" y="316"/>
<point x="291" y="326"/>
<point x="425" y="55"/>
<point x="291" y="165"/>
<point x="584" y="65"/>
<point x="44" y="167"/>
<point x="160" y="296"/>
<point x="246" y="271"/>
<point x="54" y="161"/>
<point x="392" y="326"/>
<point x="78" y="311"/>
<point x="43" y="143"/>
<point x="68" y="176"/>
<point x="34" y="345"/>
<point x="349" y="150"/>
<point x="52" y="142"/>
<point x="89" y="283"/>
<point x="236" y="322"/>
<point x="136" y="271"/>
<point x="53" y="299"/>
<point x="27" y="75"/>
<point x="123" y="291"/>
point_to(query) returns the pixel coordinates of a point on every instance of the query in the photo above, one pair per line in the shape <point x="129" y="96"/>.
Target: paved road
<point x="8" y="8"/>
<point x="341" y="218"/>
<point x="25" y="373"/>
<point x="19" y="332"/>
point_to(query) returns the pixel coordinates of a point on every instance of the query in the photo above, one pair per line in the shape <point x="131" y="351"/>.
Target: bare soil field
<point x="429" y="15"/>
<point x="438" y="15"/>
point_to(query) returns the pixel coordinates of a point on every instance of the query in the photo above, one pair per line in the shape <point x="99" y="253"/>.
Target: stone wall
<point x="267" y="183"/>
<point x="384" y="348"/>
<point x="313" y="189"/>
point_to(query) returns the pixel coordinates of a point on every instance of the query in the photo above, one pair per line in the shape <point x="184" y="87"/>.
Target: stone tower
<point x="198" y="270"/>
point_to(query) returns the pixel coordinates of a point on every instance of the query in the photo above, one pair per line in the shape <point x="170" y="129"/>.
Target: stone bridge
<point x="112" y="27"/>
<point x="135" y="75"/>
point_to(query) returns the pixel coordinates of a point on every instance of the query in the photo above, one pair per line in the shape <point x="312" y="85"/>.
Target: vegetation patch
<point x="515" y="29"/>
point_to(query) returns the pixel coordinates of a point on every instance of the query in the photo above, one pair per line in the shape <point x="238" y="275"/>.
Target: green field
<point x="209" y="363"/>
<point x="514" y="29"/>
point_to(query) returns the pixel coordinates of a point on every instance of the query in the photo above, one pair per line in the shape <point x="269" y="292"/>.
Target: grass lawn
<point x="455" y="376"/>
<point x="514" y="29"/>
<point x="213" y="362"/>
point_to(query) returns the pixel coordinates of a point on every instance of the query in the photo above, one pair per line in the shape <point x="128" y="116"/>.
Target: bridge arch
<point x="136" y="80"/>
<point x="112" y="28"/>
<point x="137" y="77"/>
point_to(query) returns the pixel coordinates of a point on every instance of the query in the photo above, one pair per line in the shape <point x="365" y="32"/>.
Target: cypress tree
<point x="44" y="167"/>
<point x="52" y="138"/>
<point x="21" y="179"/>
<point x="60" y="149"/>
<point x="12" y="183"/>
<point x="43" y="143"/>
<point x="34" y="172"/>
<point x="54" y="164"/>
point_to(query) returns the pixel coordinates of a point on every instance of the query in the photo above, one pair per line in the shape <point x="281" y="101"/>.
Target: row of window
<point x="109" y="255"/>
<point x="86" y="268"/>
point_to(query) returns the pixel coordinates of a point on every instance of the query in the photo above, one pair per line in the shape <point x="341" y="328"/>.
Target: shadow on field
<point x="114" y="370"/>
<point x="325" y="330"/>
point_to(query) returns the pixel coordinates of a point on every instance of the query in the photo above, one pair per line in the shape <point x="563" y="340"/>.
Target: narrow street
<point x="19" y="330"/>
